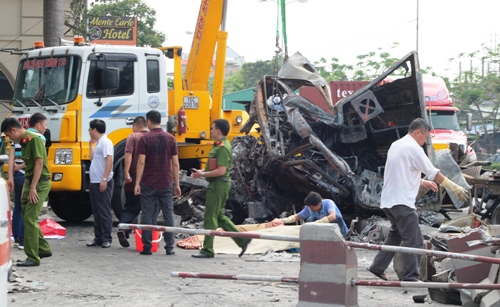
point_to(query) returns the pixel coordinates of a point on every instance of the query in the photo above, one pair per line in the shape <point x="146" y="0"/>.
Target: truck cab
<point x="77" y="83"/>
<point x="442" y="115"/>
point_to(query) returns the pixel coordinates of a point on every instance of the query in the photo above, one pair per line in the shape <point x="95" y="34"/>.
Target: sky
<point x="344" y="29"/>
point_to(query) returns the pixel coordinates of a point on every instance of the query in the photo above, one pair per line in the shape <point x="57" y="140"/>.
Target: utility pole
<point x="417" y="27"/>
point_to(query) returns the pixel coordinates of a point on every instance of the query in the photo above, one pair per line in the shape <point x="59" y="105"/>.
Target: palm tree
<point x="53" y="21"/>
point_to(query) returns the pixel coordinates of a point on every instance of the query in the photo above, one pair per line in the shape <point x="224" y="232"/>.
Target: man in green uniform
<point x="35" y="190"/>
<point x="220" y="161"/>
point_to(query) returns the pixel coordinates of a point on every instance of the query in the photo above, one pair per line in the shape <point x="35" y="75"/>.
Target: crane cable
<point x="283" y="26"/>
<point x="278" y="48"/>
<point x="280" y="8"/>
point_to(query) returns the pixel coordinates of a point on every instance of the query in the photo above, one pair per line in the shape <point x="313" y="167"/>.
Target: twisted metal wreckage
<point x="339" y="153"/>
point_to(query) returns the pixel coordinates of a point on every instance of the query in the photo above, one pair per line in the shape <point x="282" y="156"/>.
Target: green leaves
<point x="146" y="18"/>
<point x="477" y="90"/>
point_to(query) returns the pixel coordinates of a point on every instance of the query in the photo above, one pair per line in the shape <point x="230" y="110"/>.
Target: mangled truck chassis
<point x="339" y="153"/>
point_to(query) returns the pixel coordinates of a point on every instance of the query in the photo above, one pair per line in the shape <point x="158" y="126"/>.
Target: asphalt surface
<point x="77" y="275"/>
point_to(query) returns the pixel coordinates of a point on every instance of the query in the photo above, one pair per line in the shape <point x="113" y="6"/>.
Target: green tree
<point x="336" y="71"/>
<point x="248" y="76"/>
<point x="478" y="90"/>
<point x="373" y="64"/>
<point x="146" y="18"/>
<point x="367" y="67"/>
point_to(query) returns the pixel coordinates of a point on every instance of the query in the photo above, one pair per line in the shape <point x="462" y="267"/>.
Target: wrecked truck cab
<point x="339" y="152"/>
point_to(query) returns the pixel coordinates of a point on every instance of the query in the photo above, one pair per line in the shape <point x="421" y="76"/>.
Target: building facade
<point x="21" y="24"/>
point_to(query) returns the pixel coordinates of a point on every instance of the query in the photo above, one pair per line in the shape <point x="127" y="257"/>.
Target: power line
<point x="22" y="33"/>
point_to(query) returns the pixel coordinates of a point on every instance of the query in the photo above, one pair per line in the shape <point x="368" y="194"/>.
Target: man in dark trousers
<point x="406" y="161"/>
<point x="101" y="183"/>
<point x="132" y="206"/>
<point x="38" y="125"/>
<point x="35" y="190"/>
<point x="158" y="162"/>
<point x="220" y="161"/>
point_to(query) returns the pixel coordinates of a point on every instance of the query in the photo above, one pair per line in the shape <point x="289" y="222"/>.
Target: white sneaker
<point x="20" y="247"/>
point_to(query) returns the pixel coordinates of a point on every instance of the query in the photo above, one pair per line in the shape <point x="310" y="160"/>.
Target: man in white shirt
<point x="406" y="160"/>
<point x="101" y="183"/>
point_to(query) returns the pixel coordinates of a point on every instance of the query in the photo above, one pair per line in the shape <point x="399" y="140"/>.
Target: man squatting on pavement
<point x="317" y="210"/>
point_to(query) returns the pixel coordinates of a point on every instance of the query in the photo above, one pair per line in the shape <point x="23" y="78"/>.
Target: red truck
<point x="440" y="110"/>
<point x="443" y="118"/>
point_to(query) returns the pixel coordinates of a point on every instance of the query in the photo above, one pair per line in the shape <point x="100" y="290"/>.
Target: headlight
<point x="239" y="119"/>
<point x="64" y="156"/>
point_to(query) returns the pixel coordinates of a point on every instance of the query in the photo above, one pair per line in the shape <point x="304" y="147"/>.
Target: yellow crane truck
<point x="74" y="84"/>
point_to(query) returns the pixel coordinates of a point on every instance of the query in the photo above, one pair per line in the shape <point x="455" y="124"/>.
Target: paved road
<point x="77" y="275"/>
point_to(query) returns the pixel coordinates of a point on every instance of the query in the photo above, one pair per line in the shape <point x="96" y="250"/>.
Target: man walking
<point x="132" y="206"/>
<point x="158" y="162"/>
<point x="406" y="160"/>
<point x="35" y="190"/>
<point x="220" y="161"/>
<point x="101" y="182"/>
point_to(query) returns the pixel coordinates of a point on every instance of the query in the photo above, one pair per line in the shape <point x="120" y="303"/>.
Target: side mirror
<point x="106" y="78"/>
<point x="469" y="121"/>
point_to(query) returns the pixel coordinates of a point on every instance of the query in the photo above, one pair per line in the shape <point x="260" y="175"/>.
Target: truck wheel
<point x="71" y="207"/>
<point x="495" y="215"/>
<point x="118" y="198"/>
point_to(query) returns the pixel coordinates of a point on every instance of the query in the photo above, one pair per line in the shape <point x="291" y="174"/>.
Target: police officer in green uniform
<point x="35" y="190"/>
<point x="220" y="160"/>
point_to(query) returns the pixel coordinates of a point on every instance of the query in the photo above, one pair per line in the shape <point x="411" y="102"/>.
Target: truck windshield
<point x="446" y="120"/>
<point x="47" y="80"/>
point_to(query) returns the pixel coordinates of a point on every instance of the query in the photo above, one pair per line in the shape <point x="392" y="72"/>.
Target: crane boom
<point x="208" y="27"/>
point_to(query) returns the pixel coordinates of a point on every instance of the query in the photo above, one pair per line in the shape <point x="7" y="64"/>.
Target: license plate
<point x="191" y="102"/>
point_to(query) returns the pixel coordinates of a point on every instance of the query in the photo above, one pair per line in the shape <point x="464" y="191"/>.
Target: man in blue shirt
<point x="318" y="210"/>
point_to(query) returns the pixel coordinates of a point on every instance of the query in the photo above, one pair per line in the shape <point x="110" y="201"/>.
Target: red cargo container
<point x="340" y="89"/>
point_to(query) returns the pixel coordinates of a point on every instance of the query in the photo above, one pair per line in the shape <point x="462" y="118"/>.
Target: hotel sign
<point x="113" y="30"/>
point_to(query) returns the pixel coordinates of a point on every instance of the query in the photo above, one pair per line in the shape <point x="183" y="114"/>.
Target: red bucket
<point x="154" y="243"/>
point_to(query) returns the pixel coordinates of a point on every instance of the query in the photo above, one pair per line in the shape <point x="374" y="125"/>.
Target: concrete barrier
<point x="326" y="268"/>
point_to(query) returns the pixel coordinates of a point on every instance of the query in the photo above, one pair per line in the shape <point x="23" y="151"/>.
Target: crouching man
<point x="317" y="210"/>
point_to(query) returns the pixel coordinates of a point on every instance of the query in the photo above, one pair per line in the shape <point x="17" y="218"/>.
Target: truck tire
<point x="118" y="198"/>
<point x="495" y="215"/>
<point x="71" y="207"/>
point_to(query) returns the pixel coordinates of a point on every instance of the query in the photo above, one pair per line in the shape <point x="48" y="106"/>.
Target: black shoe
<point x="106" y="244"/>
<point x="94" y="243"/>
<point x="146" y="252"/>
<point x="378" y="274"/>
<point x="122" y="239"/>
<point x="170" y="253"/>
<point x="244" y="247"/>
<point x="46" y="255"/>
<point x="200" y="255"/>
<point x="28" y="262"/>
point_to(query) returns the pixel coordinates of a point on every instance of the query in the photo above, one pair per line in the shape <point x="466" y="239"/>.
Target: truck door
<point x="117" y="105"/>
<point x="153" y="85"/>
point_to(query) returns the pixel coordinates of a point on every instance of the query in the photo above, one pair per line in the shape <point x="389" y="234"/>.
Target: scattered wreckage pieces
<point x="339" y="152"/>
